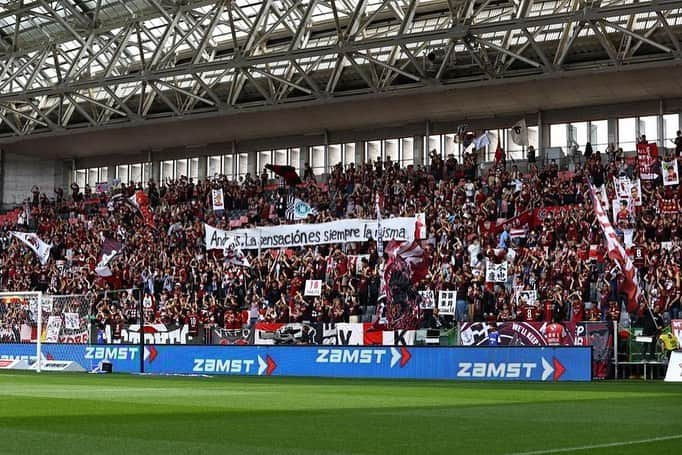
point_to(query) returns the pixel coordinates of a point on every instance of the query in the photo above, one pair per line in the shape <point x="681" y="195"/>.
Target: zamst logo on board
<point x="260" y="366"/>
<point x="364" y="356"/>
<point x="553" y="370"/>
<point x="119" y="353"/>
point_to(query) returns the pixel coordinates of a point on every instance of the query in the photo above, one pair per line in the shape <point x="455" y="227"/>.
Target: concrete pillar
<point x="418" y="150"/>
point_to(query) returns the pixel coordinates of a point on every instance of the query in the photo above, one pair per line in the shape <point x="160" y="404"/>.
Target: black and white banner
<point x="341" y="231"/>
<point x="495" y="273"/>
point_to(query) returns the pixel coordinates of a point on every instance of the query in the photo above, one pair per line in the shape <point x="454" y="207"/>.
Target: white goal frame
<point x="38" y="296"/>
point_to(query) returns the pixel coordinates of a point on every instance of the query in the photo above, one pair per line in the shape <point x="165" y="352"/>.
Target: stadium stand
<point x="555" y="248"/>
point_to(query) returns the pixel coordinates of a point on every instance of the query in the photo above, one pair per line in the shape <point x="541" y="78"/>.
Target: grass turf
<point x="121" y="414"/>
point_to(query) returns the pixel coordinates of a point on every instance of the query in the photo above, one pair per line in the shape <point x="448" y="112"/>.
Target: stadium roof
<point x="89" y="64"/>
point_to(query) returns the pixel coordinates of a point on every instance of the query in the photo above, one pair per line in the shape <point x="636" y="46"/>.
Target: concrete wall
<point x="20" y="172"/>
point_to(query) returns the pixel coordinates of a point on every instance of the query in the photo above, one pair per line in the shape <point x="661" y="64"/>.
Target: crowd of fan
<point x="178" y="281"/>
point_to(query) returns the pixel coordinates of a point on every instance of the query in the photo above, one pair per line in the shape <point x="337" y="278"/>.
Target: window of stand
<point x="671" y="125"/>
<point x="627" y="134"/>
<point x="317" y="159"/>
<point x="407" y="151"/>
<point x="91" y="176"/>
<point x="138" y="173"/>
<point x="336" y="154"/>
<point x="648" y="126"/>
<point x="599" y="135"/>
<point x="372" y="151"/>
<point x="174" y="169"/>
<point x="242" y="165"/>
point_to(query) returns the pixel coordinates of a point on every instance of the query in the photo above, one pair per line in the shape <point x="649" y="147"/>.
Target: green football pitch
<point x="121" y="414"/>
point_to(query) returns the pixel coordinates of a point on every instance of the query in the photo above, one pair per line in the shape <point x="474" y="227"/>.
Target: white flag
<point x="40" y="248"/>
<point x="481" y="141"/>
<point x="519" y="133"/>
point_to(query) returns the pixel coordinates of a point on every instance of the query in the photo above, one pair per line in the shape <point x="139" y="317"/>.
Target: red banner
<point x="646" y="156"/>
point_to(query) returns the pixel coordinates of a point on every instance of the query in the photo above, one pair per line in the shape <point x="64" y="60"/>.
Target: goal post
<point x="58" y="325"/>
<point x="21" y="320"/>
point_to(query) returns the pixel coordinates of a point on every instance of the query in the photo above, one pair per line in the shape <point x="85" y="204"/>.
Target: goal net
<point x="49" y="331"/>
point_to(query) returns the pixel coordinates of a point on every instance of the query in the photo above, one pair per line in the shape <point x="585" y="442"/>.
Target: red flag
<point x="410" y="259"/>
<point x="141" y="201"/>
<point x="616" y="252"/>
<point x="287" y="172"/>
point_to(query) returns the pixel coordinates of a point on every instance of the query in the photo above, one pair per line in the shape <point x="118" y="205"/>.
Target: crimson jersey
<point x="529" y="313"/>
<point x="192" y="321"/>
<point x="638" y="255"/>
<point x="554" y="334"/>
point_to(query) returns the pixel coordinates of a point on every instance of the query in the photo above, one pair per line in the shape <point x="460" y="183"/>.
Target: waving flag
<point x="141" y="201"/>
<point x="481" y="141"/>
<point x="110" y="249"/>
<point x="408" y="263"/>
<point x="40" y="248"/>
<point x="519" y="133"/>
<point x="298" y="210"/>
<point x="287" y="172"/>
<point x="617" y="253"/>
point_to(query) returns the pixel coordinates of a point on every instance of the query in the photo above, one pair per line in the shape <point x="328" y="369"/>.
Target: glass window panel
<point x="242" y="164"/>
<point x="450" y="147"/>
<point x="281" y="157"/>
<point x="194" y="168"/>
<point x="81" y="177"/>
<point x="577" y="134"/>
<point x="335" y="155"/>
<point x="392" y="149"/>
<point x="136" y="172"/>
<point x="435" y="145"/>
<point x="122" y="173"/>
<point x="295" y="158"/>
<point x="93" y="176"/>
<point x="533" y="136"/>
<point x="167" y="170"/>
<point x="407" y="157"/>
<point x="181" y="168"/>
<point x="317" y="159"/>
<point x="348" y="154"/>
<point x="599" y="135"/>
<point x="228" y="166"/>
<point x="264" y="157"/>
<point x="513" y="150"/>
<point x="627" y="133"/>
<point x="558" y="136"/>
<point x="147" y="172"/>
<point x="648" y="126"/>
<point x="373" y="150"/>
<point x="214" y="165"/>
<point x="671" y="124"/>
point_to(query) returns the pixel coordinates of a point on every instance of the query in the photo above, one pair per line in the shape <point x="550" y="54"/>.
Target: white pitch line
<point x="599" y="446"/>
